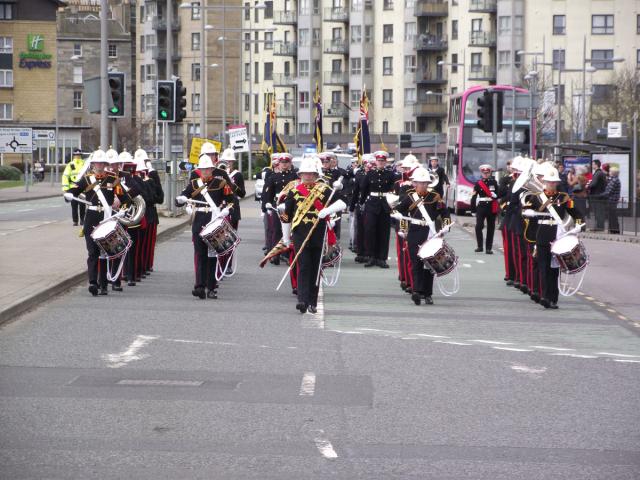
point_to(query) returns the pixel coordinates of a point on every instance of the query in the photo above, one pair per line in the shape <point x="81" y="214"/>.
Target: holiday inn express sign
<point x="35" y="56"/>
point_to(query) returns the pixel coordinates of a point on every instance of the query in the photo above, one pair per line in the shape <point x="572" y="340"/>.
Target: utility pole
<point x="634" y="170"/>
<point x="494" y="129"/>
<point x="104" y="84"/>
<point x="167" y="126"/>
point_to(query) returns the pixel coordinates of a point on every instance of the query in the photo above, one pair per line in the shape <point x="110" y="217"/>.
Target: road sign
<point x="44" y="135"/>
<point x="614" y="130"/>
<point x="196" y="145"/>
<point x="16" y="140"/>
<point x="238" y="139"/>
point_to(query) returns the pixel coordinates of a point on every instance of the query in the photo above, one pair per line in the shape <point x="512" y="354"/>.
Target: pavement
<point x="40" y="228"/>
<point x="152" y="383"/>
<point x="36" y="191"/>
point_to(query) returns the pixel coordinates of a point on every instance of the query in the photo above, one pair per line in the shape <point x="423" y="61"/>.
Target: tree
<point x="619" y="100"/>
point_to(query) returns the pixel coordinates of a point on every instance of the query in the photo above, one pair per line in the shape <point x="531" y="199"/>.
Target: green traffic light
<point x="115" y="110"/>
<point x="163" y="114"/>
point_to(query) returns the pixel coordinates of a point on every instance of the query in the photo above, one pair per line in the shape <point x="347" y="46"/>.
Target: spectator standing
<point x="597" y="198"/>
<point x="612" y="193"/>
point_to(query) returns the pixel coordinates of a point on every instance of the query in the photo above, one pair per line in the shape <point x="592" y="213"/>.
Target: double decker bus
<point x="468" y="147"/>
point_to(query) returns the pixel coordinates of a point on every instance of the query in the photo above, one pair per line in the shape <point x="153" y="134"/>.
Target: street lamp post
<point x="462" y="64"/>
<point x="532" y="78"/>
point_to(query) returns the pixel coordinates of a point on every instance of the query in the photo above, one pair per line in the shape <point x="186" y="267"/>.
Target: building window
<point x="385" y="127"/>
<point x="601" y="59"/>
<point x="247" y="11"/>
<point x="6" y="78"/>
<point x="560" y="93"/>
<point x="77" y="49"/>
<point x="141" y="43"/>
<point x="356" y="65"/>
<point x="355" y="98"/>
<point x="316" y="68"/>
<point x="410" y="31"/>
<point x="558" y="59"/>
<point x="504" y="59"/>
<point x="387" y="98"/>
<point x="195" y="10"/>
<point x="247" y="71"/>
<point x="7" y="12"/>
<point x="77" y="100"/>
<point x="559" y="25"/>
<point x="602" y="24"/>
<point x="368" y="63"/>
<point x="303" y="37"/>
<point x="6" y="111"/>
<point x="315" y="37"/>
<point x="336" y="128"/>
<point x="504" y="25"/>
<point x="353" y="127"/>
<point x="387" y="5"/>
<point x="454" y="63"/>
<point x="409" y="96"/>
<point x="409" y="127"/>
<point x="256" y="72"/>
<point x="454" y="29"/>
<point x="195" y="41"/>
<point x="476" y="25"/>
<point x="409" y="3"/>
<point x="304" y="100"/>
<point x="303" y="128"/>
<point x="113" y="50"/>
<point x="638" y="24"/>
<point x="268" y="9"/>
<point x="303" y="68"/>
<point x="150" y="102"/>
<point x="602" y="94"/>
<point x="409" y="64"/>
<point x="356" y="34"/>
<point x="518" y="23"/>
<point x="367" y="33"/>
<point x="256" y="14"/>
<point x="268" y="70"/>
<point x="77" y="74"/>
<point x="246" y="101"/>
<point x="195" y="102"/>
<point x="142" y="99"/>
<point x="195" y="72"/>
<point x="387" y="33"/>
<point x="142" y="76"/>
<point x="256" y="44"/>
<point x="6" y="44"/>
<point x="268" y="40"/>
<point x="476" y="62"/>
<point x="387" y="65"/>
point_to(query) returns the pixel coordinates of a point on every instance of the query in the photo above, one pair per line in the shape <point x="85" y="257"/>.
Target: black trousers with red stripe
<point x="205" y="266"/>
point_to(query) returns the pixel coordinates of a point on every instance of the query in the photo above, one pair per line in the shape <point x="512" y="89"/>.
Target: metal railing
<point x="285" y="17"/>
<point x="483" y="6"/>
<point x="425" y="75"/>
<point x="160" y="23"/>
<point x="336" y="110"/>
<point x="160" y="53"/>
<point x="336" y="46"/>
<point x="429" y="108"/>
<point x="285" y="48"/>
<point x="602" y="216"/>
<point x="482" y="72"/>
<point x="431" y="42"/>
<point x="336" y="78"/>
<point x="283" y="79"/>
<point x="433" y="8"/>
<point x="482" y="39"/>
<point x="336" y="14"/>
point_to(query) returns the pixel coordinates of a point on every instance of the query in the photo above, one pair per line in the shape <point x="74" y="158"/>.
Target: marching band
<point x="303" y="207"/>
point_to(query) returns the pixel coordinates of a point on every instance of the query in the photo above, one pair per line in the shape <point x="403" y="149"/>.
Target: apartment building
<point x="206" y="57"/>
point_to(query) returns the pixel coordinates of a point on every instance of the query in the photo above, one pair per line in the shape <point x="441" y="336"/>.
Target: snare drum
<point x="570" y="253"/>
<point x="219" y="236"/>
<point x="332" y="256"/>
<point x="438" y="256"/>
<point x="111" y="238"/>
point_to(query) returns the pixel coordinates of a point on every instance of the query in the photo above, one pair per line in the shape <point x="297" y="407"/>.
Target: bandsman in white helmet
<point x="154" y="186"/>
<point x="98" y="186"/>
<point x="214" y="194"/>
<point x="422" y="206"/>
<point x="229" y="157"/>
<point x="357" y="208"/>
<point x="484" y="202"/>
<point x="308" y="208"/>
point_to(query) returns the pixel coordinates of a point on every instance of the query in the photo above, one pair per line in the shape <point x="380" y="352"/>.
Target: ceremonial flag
<point x="362" y="140"/>
<point x="271" y="141"/>
<point x="317" y="133"/>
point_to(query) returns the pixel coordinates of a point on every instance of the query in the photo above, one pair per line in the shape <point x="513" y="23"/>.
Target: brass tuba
<point x="134" y="212"/>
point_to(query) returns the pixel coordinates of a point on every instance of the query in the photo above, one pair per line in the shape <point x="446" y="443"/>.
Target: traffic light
<point x="181" y="101"/>
<point x="166" y="90"/>
<point x="117" y="92"/>
<point x="500" y="108"/>
<point x="485" y="112"/>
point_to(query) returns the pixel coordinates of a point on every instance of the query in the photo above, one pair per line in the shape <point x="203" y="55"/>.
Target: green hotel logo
<point x="35" y="42"/>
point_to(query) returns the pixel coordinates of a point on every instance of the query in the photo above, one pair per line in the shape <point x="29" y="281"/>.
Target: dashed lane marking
<point x="491" y="342"/>
<point x="511" y="349"/>
<point x="324" y="445"/>
<point x="308" y="385"/>
<point x="617" y="355"/>
<point x="117" y="360"/>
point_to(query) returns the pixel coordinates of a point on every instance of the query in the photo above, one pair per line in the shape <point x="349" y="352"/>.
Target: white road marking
<point x="466" y="265"/>
<point x="589" y="298"/>
<point x="25" y="210"/>
<point x="324" y="445"/>
<point x="479" y="261"/>
<point x="451" y="343"/>
<point x="611" y="310"/>
<point x="511" y="349"/>
<point x="573" y="355"/>
<point x="308" y="385"/>
<point x="625" y="361"/>
<point x="555" y="349"/>
<point x="117" y="360"/>
<point x="534" y="372"/>
<point x="310" y="320"/>
<point x="618" y="355"/>
<point x="491" y="342"/>
<point x="378" y="330"/>
<point x="430" y="336"/>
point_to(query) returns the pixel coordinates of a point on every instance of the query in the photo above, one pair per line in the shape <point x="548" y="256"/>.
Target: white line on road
<point x="511" y="349"/>
<point x="430" y="336"/>
<point x="451" y="343"/>
<point x="555" y="349"/>
<point x="625" y="361"/>
<point x="117" y="360"/>
<point x="480" y="261"/>
<point x="378" y="330"/>
<point x="534" y="372"/>
<point x="308" y="385"/>
<point x="466" y="265"/>
<point x="491" y="342"/>
<point x="25" y="210"/>
<point x="573" y="355"/>
<point x="324" y="445"/>
<point x="618" y="355"/>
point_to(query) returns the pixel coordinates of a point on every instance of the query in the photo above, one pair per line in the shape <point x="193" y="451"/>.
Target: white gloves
<point x="577" y="229"/>
<point x="268" y="206"/>
<point x="286" y="234"/>
<point x="529" y="213"/>
<point x="324" y="213"/>
<point x="281" y="208"/>
<point x="224" y="212"/>
<point x="445" y="229"/>
<point x="68" y="196"/>
<point x="181" y="199"/>
<point x="189" y="209"/>
<point x="337" y="185"/>
<point x="396" y="215"/>
<point x="493" y="195"/>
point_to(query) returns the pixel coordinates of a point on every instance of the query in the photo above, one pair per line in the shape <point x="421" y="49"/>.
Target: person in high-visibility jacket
<point x="73" y="173"/>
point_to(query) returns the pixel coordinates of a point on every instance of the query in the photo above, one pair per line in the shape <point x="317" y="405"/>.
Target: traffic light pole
<point x="114" y="134"/>
<point x="104" y="86"/>
<point x="494" y="130"/>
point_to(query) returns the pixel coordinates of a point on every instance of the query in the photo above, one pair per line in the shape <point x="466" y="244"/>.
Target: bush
<point x="18" y="165"/>
<point x="9" y="173"/>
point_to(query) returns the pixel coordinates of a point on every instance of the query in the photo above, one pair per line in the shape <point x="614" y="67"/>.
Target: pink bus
<point x="468" y="147"/>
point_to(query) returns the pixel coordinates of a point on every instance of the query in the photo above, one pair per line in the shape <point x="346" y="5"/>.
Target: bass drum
<point x="571" y="254"/>
<point x="438" y="256"/>
<point x="111" y="238"/>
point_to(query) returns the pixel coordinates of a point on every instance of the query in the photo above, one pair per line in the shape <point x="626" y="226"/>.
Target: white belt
<point x="377" y="194"/>
<point x="547" y="222"/>
<point x="485" y="199"/>
<point x="96" y="208"/>
<point x="203" y="209"/>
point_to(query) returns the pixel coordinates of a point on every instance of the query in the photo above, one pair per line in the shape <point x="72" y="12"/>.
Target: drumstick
<point x="78" y="199"/>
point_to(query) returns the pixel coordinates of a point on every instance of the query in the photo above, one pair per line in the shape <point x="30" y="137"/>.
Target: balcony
<point x="435" y="108"/>
<point x="337" y="46"/>
<point x="431" y="43"/>
<point x="284" y="80"/>
<point x="288" y="49"/>
<point x="431" y="8"/>
<point x="483" y="6"/>
<point x="160" y="23"/>
<point x="359" y="6"/>
<point x="336" y="78"/>
<point x="286" y="110"/>
<point x="482" y="39"/>
<point x="431" y="77"/>
<point x="285" y="17"/>
<point x="160" y="53"/>
<point x="485" y="73"/>
<point x="336" y="14"/>
<point x="336" y="110"/>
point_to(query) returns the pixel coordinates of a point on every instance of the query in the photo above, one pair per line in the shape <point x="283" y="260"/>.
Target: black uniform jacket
<point x="220" y="192"/>
<point x="377" y="181"/>
<point x="434" y="207"/>
<point x="562" y="203"/>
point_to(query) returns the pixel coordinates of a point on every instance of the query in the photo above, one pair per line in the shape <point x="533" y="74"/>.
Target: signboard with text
<point x="16" y="140"/>
<point x="238" y="139"/>
<point x="196" y="145"/>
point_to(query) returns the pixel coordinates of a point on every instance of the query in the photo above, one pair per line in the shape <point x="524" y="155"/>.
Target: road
<point x="152" y="383"/>
<point x="19" y="216"/>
